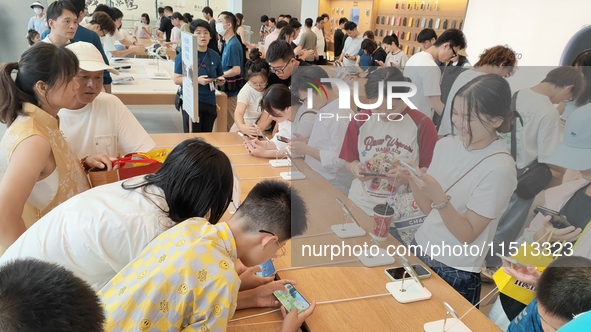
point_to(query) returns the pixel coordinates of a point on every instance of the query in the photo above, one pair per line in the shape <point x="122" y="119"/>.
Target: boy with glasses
<point x="186" y="277"/>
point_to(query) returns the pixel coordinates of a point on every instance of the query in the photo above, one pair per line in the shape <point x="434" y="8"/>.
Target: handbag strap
<point x="473" y="167"/>
<point x="514" y="125"/>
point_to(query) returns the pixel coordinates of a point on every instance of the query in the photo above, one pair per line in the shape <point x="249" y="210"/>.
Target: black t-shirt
<point x="274" y="79"/>
<point x="339" y="43"/>
<point x="577" y="209"/>
<point x="166" y="27"/>
<point x="378" y="55"/>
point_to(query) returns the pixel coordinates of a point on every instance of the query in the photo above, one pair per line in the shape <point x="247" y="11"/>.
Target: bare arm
<point x="178" y="79"/>
<point x="436" y="104"/>
<point x="132" y="49"/>
<point x="264" y="121"/>
<point x="234" y="71"/>
<point x="30" y="158"/>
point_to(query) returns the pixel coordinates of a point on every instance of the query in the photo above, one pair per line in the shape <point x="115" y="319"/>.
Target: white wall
<point x="537" y="30"/>
<point x="309" y="9"/>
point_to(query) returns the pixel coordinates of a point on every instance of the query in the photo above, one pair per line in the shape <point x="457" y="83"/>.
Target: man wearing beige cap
<point x="100" y="121"/>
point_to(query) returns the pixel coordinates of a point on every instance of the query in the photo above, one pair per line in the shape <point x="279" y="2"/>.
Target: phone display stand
<point x="451" y="325"/>
<point x="292" y="175"/>
<point x="411" y="292"/>
<point x="280" y="163"/>
<point x="382" y="258"/>
<point x="348" y="230"/>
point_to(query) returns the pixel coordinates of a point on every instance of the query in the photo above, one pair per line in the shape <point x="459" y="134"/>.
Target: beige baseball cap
<point x="89" y="57"/>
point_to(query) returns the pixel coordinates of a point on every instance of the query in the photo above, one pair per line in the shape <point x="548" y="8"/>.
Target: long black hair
<point x="196" y="178"/>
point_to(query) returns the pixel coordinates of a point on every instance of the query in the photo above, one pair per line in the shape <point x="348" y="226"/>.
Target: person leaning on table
<point x="38" y="170"/>
<point x="185" y="279"/>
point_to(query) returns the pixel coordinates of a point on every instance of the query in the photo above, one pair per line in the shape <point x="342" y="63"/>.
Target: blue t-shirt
<point x="364" y="60"/>
<point x="210" y="65"/>
<point x="528" y="320"/>
<point x="233" y="56"/>
<point x="85" y="35"/>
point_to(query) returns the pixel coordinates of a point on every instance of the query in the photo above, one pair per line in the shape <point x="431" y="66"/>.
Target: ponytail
<point x="10" y="103"/>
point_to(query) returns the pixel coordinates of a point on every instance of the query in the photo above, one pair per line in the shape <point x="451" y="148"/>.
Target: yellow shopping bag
<point x="531" y="254"/>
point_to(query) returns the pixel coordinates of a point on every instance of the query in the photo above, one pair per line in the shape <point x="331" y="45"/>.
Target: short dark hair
<point x="103" y="8"/>
<point x="41" y="296"/>
<point x="564" y="289"/>
<point x="369" y="34"/>
<point x="31" y="35"/>
<point x="272" y="19"/>
<point x="391" y="39"/>
<point x="276" y="97"/>
<point x="295" y="24"/>
<point x="308" y="22"/>
<point x="264" y="18"/>
<point x="350" y="25"/>
<point x="207" y="10"/>
<point x="179" y="16"/>
<point x="279" y="49"/>
<point x="45" y="62"/>
<point x="319" y="19"/>
<point x="230" y="18"/>
<point x="300" y="78"/>
<point x="274" y="207"/>
<point x="160" y="10"/>
<point x="488" y="96"/>
<point x="199" y="23"/>
<point x="188" y="17"/>
<point x="281" y="24"/>
<point x="55" y="10"/>
<point x="280" y="15"/>
<point x="455" y="37"/>
<point x="168" y="9"/>
<point x="565" y="76"/>
<point x="343" y="20"/>
<point x="369" y="46"/>
<point x="324" y="15"/>
<point x="385" y="75"/>
<point x="287" y="16"/>
<point x="583" y="63"/>
<point x="105" y="22"/>
<point x="116" y="13"/>
<point x="80" y="5"/>
<point x="196" y="179"/>
<point x="426" y="34"/>
<point x="287" y="30"/>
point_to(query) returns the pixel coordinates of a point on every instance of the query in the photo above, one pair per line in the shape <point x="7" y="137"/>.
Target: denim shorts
<point x="466" y="283"/>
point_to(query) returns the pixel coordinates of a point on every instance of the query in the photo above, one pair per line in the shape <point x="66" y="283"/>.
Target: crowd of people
<point x="459" y="147"/>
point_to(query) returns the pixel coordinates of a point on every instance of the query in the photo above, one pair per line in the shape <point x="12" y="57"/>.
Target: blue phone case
<point x="267" y="269"/>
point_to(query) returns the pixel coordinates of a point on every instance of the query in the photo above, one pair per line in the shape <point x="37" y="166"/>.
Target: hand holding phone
<point x="557" y="220"/>
<point x="283" y="139"/>
<point x="407" y="166"/>
<point x="267" y="269"/>
<point x="291" y="299"/>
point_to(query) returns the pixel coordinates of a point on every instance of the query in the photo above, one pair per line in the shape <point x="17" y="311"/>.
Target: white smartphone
<point x="412" y="169"/>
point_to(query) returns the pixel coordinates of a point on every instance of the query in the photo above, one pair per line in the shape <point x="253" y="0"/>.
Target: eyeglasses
<point x="280" y="71"/>
<point x="282" y="248"/>
<point x="454" y="52"/>
<point x="258" y="86"/>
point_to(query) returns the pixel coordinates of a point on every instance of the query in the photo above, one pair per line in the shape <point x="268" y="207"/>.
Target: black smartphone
<point x="557" y="221"/>
<point x="397" y="273"/>
<point x="283" y="139"/>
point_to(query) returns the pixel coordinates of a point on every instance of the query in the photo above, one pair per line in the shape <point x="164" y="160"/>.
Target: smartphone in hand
<point x="558" y="221"/>
<point x="410" y="168"/>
